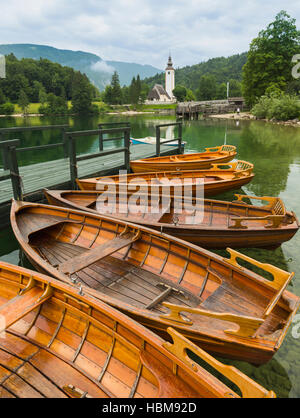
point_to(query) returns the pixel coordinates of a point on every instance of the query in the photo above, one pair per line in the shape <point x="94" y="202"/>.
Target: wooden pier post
<point x="158" y="141"/>
<point x="14" y="172"/>
<point x="127" y="148"/>
<point x="73" y="161"/>
<point x="5" y="152"/>
<point x="180" y="139"/>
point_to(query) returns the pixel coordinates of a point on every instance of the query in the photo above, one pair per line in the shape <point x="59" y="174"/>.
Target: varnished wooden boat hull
<point x="59" y="343"/>
<point x="156" y="279"/>
<point x="215" y="180"/>
<point x="196" y="161"/>
<point x="215" y="230"/>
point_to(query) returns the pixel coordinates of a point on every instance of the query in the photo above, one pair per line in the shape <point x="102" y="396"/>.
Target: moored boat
<point x="151" y="140"/>
<point x="194" y="161"/>
<point x="208" y="223"/>
<point x="218" y="179"/>
<point x="161" y="281"/>
<point x="59" y="343"/>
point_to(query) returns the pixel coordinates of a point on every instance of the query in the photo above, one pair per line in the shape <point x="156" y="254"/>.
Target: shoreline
<point x="249" y="116"/>
<point x="126" y="113"/>
<point x="21" y="115"/>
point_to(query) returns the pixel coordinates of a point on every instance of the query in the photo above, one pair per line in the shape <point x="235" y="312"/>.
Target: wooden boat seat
<point x="21" y="305"/>
<point x="163" y="295"/>
<point x="96" y="254"/>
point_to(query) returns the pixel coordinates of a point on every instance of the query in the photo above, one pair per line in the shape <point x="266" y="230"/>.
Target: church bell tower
<point x="170" y="78"/>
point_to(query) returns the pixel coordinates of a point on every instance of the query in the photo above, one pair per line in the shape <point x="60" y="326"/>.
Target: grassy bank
<point x="33" y="108"/>
<point x="105" y="108"/>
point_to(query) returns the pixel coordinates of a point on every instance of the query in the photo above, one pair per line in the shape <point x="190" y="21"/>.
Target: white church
<point x="160" y="94"/>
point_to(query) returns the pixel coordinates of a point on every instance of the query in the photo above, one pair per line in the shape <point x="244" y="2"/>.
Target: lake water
<point x="275" y="152"/>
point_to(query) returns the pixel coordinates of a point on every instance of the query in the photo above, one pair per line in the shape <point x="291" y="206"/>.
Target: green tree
<point x="270" y="57"/>
<point x="125" y="95"/>
<point x="221" y="91"/>
<point x="116" y="90"/>
<point x="42" y="96"/>
<point x="81" y="94"/>
<point x="135" y="90"/>
<point x="7" y="109"/>
<point x="108" y="95"/>
<point x="207" y="88"/>
<point x="180" y="93"/>
<point x="144" y="92"/>
<point x="2" y="97"/>
<point x="190" y="97"/>
<point x="37" y="86"/>
<point x="23" y="101"/>
<point x="235" y="88"/>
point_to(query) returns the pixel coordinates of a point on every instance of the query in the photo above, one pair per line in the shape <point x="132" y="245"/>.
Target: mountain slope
<point x="92" y="65"/>
<point x="222" y="68"/>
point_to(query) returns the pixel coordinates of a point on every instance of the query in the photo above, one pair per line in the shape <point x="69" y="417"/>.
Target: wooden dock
<point x="192" y="110"/>
<point x="29" y="181"/>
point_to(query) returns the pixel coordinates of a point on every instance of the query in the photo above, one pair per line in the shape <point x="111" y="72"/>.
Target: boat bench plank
<point x="92" y="256"/>
<point x="20" y="306"/>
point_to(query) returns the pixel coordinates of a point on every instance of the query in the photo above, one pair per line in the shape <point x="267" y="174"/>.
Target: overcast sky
<point x="142" y="31"/>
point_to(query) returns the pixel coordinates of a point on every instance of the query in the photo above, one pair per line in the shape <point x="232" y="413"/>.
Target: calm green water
<point x="275" y="152"/>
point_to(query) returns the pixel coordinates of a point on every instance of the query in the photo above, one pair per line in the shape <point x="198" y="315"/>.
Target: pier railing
<point x="72" y="137"/>
<point x="158" y="137"/>
<point x="5" y="145"/>
<point x="107" y="132"/>
<point x="110" y="125"/>
<point x="13" y="168"/>
<point x="9" y="152"/>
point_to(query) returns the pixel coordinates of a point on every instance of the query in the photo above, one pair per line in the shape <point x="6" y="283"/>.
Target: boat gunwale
<point x="211" y="172"/>
<point x="58" y="194"/>
<point x="220" y="152"/>
<point x="146" y="314"/>
<point x="209" y="382"/>
<point x="160" y="236"/>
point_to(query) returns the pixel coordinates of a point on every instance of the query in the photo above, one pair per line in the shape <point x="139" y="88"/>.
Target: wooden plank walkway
<point x="56" y="173"/>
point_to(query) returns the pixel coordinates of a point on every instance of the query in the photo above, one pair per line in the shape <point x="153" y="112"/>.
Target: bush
<point x="7" y="109"/>
<point x="55" y="105"/>
<point x="262" y="107"/>
<point x="285" y="108"/>
<point x="95" y="109"/>
<point x="280" y="107"/>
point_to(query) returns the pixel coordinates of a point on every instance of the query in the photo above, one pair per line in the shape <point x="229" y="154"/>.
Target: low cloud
<point x="102" y="67"/>
<point x="141" y="31"/>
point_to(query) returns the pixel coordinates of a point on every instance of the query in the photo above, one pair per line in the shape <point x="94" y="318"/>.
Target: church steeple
<point x="170" y="78"/>
<point x="170" y="64"/>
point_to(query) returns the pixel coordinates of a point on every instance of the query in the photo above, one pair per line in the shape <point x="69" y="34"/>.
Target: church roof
<point x="157" y="92"/>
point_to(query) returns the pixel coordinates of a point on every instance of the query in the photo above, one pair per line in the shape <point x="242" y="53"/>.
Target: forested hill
<point x="36" y="78"/>
<point x="223" y="69"/>
<point x="98" y="71"/>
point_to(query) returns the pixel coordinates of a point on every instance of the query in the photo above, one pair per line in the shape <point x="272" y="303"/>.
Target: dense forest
<point x="42" y="81"/>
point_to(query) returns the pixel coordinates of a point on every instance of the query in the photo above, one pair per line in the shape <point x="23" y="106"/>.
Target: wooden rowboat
<point x="208" y="223"/>
<point x="161" y="281"/>
<point x="151" y="140"/>
<point x="217" y="179"/>
<point x="195" y="161"/>
<point x="61" y="344"/>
